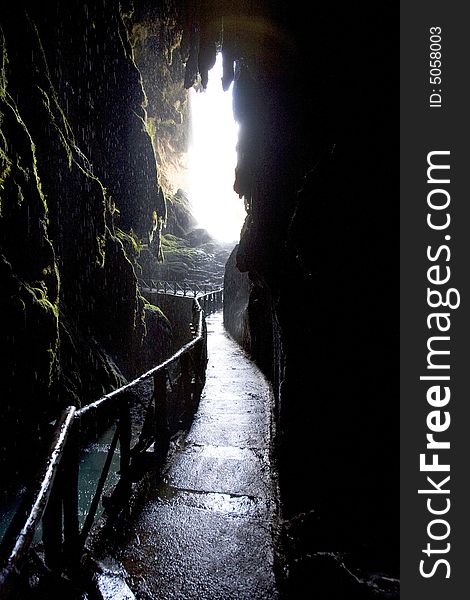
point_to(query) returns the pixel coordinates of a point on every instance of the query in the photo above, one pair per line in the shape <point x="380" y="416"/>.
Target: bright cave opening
<point x="212" y="159"/>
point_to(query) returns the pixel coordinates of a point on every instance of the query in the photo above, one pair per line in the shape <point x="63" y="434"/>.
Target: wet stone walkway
<point x="206" y="532"/>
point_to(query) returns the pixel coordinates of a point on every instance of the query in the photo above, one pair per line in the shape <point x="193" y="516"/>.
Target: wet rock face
<point x="75" y="158"/>
<point x="29" y="288"/>
<point x="101" y="91"/>
<point x="237" y="290"/>
<point x="180" y="219"/>
<point x="156" y="39"/>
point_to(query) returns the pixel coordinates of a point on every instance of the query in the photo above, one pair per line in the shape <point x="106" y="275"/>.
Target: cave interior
<point x="94" y="119"/>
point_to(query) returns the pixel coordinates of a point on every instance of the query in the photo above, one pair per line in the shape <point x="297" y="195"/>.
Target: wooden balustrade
<point x="54" y="496"/>
<point x="185" y="288"/>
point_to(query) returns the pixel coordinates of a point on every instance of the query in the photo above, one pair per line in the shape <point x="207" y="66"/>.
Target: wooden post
<point x="125" y="434"/>
<point x="108" y="502"/>
<point x="200" y="364"/>
<point x="186" y="376"/>
<point x="52" y="527"/>
<point x="161" y="417"/>
<point x="164" y="287"/>
<point x="125" y="437"/>
<point x="119" y="499"/>
<point x="72" y="550"/>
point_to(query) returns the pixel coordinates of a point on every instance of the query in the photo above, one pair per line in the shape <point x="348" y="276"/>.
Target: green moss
<point x="61" y="124"/>
<point x="20" y="195"/>
<point x="139" y="34"/>
<point x="21" y="185"/>
<point x="156" y="311"/>
<point x="3" y="66"/>
<point x="45" y="314"/>
<point x="101" y="250"/>
<point x="74" y="156"/>
<point x="55" y="268"/>
<point x="10" y="105"/>
<point x="131" y="240"/>
<point x="5" y="168"/>
<point x="58" y="120"/>
<point x="178" y="247"/>
<point x="19" y="178"/>
<point x="65" y="126"/>
<point x="174" y="46"/>
<point x="150" y="311"/>
<point x="39" y="296"/>
<point x="47" y="105"/>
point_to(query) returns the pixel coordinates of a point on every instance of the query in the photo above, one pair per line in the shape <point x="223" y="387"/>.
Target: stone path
<point x="206" y="533"/>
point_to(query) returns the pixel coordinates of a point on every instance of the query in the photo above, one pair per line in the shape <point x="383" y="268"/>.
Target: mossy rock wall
<point x="29" y="293"/>
<point x="76" y="160"/>
<point x="156" y="37"/>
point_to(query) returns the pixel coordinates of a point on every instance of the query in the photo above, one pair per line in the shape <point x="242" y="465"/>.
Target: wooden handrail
<point x="63" y="457"/>
<point x="187" y="288"/>
<point x="39" y="498"/>
<point x="129" y="386"/>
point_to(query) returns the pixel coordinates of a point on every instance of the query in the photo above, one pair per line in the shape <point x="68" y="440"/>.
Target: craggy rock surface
<point x="76" y="169"/>
<point x="188" y="259"/>
<point x="237" y="290"/>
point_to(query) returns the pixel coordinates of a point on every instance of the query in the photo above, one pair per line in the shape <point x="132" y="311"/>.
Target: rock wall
<point x="77" y="168"/>
<point x="161" y="49"/>
<point x="156" y="39"/>
<point x="317" y="171"/>
<point x="179" y="311"/>
<point x="237" y="290"/>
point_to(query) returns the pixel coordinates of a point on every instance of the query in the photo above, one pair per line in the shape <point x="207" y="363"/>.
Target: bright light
<point x="212" y="159"/>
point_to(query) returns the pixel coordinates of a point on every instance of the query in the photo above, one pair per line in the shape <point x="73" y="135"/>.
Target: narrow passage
<point x="206" y="533"/>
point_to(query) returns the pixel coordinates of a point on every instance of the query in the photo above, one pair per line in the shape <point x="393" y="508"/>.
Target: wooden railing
<point x="54" y="498"/>
<point x="185" y="288"/>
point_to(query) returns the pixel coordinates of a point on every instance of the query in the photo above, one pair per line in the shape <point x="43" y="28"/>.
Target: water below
<point x="8" y="507"/>
<point x="92" y="461"/>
